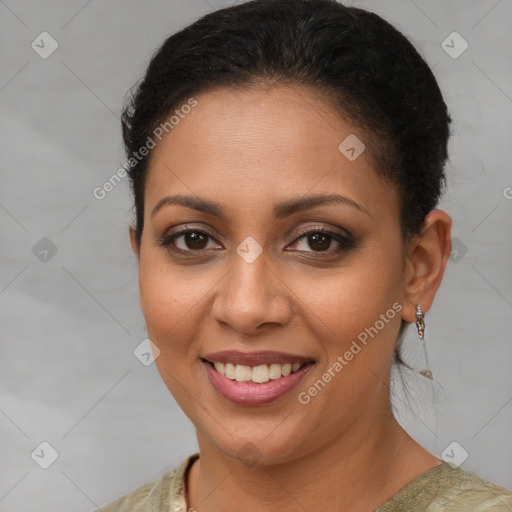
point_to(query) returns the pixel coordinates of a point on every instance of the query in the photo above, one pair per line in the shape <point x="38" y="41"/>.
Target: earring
<point x="420" y="324"/>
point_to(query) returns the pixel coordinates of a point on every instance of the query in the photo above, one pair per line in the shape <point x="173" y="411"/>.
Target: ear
<point x="133" y="241"/>
<point x="426" y="259"/>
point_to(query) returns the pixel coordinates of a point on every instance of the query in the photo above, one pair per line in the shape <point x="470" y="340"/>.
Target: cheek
<point x="168" y="301"/>
<point x="357" y="326"/>
<point x="346" y="302"/>
<point x="166" y="297"/>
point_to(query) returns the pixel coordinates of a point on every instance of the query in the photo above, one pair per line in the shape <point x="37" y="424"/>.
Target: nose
<point x="252" y="295"/>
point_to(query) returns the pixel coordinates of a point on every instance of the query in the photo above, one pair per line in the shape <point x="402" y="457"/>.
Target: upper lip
<point x="255" y="358"/>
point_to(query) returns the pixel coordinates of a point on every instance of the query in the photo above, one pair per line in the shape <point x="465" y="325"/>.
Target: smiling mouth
<point x="256" y="374"/>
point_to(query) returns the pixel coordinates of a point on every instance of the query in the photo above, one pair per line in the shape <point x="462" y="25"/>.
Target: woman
<point x="286" y="158"/>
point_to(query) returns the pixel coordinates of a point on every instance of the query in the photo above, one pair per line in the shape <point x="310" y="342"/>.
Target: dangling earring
<point x="420" y="324"/>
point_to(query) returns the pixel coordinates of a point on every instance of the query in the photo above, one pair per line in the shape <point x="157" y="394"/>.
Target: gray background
<point x="70" y="321"/>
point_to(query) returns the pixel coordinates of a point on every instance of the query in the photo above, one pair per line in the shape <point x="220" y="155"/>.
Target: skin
<point x="248" y="151"/>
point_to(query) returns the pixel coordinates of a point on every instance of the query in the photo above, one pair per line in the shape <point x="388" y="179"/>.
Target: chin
<point x="257" y="449"/>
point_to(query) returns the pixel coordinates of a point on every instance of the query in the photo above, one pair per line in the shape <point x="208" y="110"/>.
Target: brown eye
<point x="195" y="240"/>
<point x="321" y="240"/>
<point x="190" y="240"/>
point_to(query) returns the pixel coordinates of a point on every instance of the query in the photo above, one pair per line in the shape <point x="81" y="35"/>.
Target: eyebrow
<point x="280" y="210"/>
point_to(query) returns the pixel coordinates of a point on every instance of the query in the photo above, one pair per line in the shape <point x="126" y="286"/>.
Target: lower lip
<point x="250" y="393"/>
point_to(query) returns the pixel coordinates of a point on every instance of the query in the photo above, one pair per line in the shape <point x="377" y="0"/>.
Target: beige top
<point x="442" y="488"/>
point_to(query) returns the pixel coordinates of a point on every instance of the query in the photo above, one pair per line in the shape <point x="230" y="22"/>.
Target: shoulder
<point x="448" y="489"/>
<point x="139" y="499"/>
<point x="466" y="491"/>
<point x="158" y="495"/>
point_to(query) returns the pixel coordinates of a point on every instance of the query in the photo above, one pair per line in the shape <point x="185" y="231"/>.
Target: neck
<point x="356" y="472"/>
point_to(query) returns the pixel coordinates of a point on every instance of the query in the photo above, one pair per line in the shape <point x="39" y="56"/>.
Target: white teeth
<point x="261" y="373"/>
<point x="275" y="371"/>
<point x="230" y="371"/>
<point x="220" y="367"/>
<point x="242" y="373"/>
<point x="286" y="369"/>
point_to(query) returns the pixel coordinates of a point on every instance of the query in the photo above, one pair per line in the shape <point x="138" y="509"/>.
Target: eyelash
<point x="345" y="242"/>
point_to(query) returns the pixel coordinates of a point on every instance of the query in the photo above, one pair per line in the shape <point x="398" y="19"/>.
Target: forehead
<point x="262" y="144"/>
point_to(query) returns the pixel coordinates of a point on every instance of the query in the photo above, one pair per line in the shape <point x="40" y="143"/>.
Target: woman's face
<point x="252" y="280"/>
